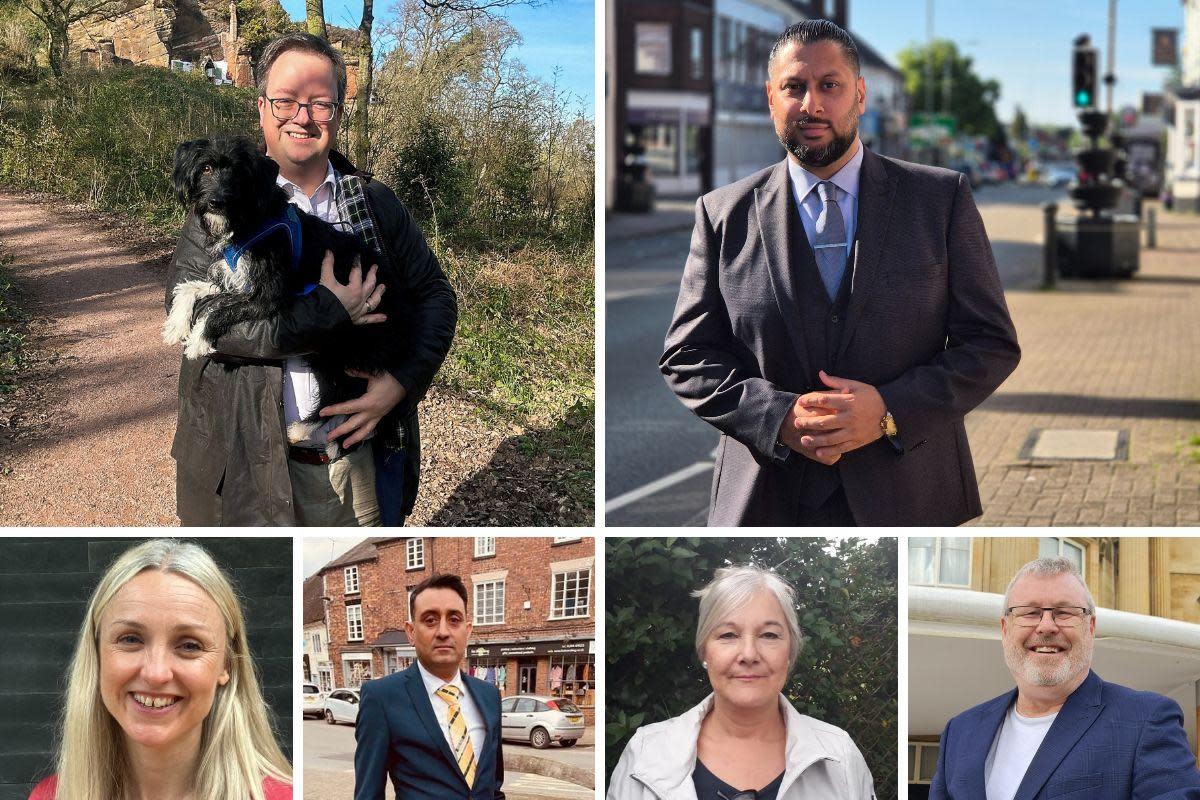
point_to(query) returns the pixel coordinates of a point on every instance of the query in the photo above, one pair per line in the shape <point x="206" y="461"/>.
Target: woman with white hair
<point x="162" y="699"/>
<point x="744" y="741"/>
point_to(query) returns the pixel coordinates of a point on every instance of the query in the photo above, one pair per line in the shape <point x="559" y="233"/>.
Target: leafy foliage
<point x="13" y="329"/>
<point x="972" y="99"/>
<point x="259" y="22"/>
<point x="846" y="674"/>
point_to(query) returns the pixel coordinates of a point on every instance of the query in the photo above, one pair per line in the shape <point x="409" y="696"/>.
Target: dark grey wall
<point x="44" y="588"/>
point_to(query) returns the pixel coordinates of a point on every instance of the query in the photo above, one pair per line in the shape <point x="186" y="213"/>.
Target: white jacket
<point x="822" y="760"/>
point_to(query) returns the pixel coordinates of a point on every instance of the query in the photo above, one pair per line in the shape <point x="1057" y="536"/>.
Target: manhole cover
<point x="1076" y="445"/>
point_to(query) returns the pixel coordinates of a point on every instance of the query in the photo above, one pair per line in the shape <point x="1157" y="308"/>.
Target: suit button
<point x="834" y="318"/>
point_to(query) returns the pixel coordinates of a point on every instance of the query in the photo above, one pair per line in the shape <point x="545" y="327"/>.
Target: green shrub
<point x="13" y="322"/>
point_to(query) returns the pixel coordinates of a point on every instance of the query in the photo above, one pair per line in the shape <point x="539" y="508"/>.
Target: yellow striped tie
<point x="460" y="742"/>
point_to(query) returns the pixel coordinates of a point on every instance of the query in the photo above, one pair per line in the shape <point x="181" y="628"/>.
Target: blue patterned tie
<point x="829" y="241"/>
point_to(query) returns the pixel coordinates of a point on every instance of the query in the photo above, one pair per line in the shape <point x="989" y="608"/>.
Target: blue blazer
<point x="1107" y="743"/>
<point x="398" y="734"/>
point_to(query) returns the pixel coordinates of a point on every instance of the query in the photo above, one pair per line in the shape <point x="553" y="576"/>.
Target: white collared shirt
<point x="804" y="185"/>
<point x="474" y="719"/>
<point x="300" y="391"/>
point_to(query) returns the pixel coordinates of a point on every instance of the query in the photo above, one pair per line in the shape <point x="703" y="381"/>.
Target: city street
<point x="329" y="766"/>
<point x="1096" y="355"/>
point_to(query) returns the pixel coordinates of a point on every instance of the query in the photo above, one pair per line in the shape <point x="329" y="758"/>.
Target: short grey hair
<point x="734" y="587"/>
<point x="304" y="42"/>
<point x="1047" y="568"/>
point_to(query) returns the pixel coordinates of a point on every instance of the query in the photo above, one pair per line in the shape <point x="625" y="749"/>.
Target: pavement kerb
<point x="536" y="765"/>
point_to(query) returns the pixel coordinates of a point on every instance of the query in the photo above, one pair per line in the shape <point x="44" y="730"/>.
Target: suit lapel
<point x="979" y="742"/>
<point x="424" y="707"/>
<point x="773" y="205"/>
<point x="876" y="194"/>
<point x="1074" y="718"/>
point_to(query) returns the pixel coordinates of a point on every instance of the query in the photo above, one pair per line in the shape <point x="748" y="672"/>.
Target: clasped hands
<point x="823" y="425"/>
<point x="360" y="297"/>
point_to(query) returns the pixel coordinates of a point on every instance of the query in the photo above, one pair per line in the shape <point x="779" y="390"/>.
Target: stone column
<point x="1133" y="575"/>
<point x="1160" y="576"/>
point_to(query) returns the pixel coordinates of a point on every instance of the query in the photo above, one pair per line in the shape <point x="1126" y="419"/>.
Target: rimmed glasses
<point x="1063" y="616"/>
<point x="285" y="109"/>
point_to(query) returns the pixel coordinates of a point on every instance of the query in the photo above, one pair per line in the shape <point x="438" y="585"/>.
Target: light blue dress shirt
<point x="804" y="185"/>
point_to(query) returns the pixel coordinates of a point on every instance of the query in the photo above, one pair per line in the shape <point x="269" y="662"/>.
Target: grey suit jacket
<point x="927" y="326"/>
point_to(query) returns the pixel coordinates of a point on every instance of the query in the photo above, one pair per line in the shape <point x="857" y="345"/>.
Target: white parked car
<point x="540" y="720"/>
<point x="312" y="699"/>
<point x="341" y="705"/>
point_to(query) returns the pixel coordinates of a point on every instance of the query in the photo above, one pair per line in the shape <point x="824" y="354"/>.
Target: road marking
<point x="654" y="487"/>
<point x="551" y="787"/>
<point x="646" y="291"/>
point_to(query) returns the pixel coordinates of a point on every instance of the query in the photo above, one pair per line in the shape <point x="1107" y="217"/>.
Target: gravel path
<point x="93" y="443"/>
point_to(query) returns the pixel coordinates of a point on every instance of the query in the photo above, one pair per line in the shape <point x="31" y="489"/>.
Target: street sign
<point x="1164" y="50"/>
<point x="923" y="119"/>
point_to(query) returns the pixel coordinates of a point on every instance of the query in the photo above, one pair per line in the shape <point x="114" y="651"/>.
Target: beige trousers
<point x="339" y="494"/>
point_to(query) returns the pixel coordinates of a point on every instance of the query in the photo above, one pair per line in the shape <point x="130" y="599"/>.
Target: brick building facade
<point x="531" y="602"/>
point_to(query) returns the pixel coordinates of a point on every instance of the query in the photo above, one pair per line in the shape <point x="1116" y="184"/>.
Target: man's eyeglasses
<point x="1063" y="616"/>
<point x="285" y="109"/>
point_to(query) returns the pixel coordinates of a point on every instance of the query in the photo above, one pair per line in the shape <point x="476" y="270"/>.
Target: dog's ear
<point x="186" y="157"/>
<point x="268" y="170"/>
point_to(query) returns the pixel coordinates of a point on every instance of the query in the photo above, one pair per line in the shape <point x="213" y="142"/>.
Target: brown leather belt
<point x="307" y="455"/>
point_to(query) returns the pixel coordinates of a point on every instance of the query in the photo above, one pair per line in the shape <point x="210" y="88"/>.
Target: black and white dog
<point x="266" y="252"/>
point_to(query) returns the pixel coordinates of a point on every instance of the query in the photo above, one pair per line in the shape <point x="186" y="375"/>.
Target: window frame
<point x="489" y="546"/>
<point x="479" y="591"/>
<point x="915" y="778"/>
<point x="557" y="613"/>
<point x="1064" y="541"/>
<point x="347" y="573"/>
<point x="414" y="553"/>
<point x="350" y="623"/>
<point x="663" y="34"/>
<point x="937" y="563"/>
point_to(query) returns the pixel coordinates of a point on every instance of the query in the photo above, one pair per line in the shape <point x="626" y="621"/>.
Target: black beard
<point x="818" y="156"/>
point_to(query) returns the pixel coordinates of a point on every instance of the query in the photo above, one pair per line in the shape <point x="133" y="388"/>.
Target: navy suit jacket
<point x="1107" y="743"/>
<point x="398" y="734"/>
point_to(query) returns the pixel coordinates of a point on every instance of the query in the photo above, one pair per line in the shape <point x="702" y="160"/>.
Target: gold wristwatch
<point x="888" y="425"/>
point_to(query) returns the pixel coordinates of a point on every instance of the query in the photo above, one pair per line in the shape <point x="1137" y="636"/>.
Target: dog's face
<point x="226" y="182"/>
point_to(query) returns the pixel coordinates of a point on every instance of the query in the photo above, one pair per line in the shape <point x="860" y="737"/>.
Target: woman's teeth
<point x="154" y="702"/>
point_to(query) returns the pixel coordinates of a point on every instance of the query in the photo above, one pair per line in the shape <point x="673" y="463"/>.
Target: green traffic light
<point x="1083" y="99"/>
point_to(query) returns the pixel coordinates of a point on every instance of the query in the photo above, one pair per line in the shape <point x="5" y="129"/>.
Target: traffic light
<point x="1083" y="77"/>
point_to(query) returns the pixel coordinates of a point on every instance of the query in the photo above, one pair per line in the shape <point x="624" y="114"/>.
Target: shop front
<point x="559" y="668"/>
<point x="671" y="133"/>
<point x="394" y="651"/>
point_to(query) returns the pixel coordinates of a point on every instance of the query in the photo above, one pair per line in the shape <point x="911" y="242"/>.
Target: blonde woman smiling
<point x="162" y="700"/>
<point x="744" y="741"/>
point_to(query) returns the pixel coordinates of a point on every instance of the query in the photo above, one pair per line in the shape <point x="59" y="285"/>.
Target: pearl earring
<point x="704" y="664"/>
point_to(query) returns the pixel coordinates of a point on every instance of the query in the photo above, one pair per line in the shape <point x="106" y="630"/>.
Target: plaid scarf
<point x="352" y="207"/>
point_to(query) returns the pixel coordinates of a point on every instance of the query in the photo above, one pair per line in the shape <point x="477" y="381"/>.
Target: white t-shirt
<point x="475" y="727"/>
<point x="1012" y="751"/>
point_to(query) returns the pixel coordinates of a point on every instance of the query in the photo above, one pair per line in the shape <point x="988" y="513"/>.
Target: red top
<point x="272" y="789"/>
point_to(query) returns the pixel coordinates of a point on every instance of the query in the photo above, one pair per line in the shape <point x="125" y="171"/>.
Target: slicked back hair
<point x="816" y="30"/>
<point x="734" y="587"/>
<point x="1047" y="568"/>
<point x="442" y="581"/>
<point x="304" y="42"/>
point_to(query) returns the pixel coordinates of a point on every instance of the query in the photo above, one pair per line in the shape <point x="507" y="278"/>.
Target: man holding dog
<point x="234" y="463"/>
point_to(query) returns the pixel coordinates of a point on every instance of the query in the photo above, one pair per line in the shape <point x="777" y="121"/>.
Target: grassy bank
<point x="524" y="353"/>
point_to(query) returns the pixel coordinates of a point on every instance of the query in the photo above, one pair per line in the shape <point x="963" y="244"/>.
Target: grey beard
<point x="820" y="156"/>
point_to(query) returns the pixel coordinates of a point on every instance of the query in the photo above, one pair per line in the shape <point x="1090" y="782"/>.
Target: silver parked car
<point x="341" y="705"/>
<point x="311" y="700"/>
<point x="540" y="720"/>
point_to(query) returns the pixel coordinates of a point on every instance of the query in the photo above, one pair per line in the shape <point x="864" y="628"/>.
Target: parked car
<point x="1057" y="175"/>
<point x="341" y="705"/>
<point x="540" y="720"/>
<point x="312" y="700"/>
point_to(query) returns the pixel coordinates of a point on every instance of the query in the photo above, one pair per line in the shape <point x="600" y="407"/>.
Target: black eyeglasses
<point x="285" y="109"/>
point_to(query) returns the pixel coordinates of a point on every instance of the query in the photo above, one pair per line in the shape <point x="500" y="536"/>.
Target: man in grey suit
<point x="839" y="315"/>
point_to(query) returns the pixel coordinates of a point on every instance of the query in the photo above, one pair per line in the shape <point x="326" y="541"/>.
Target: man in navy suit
<point x="1063" y="732"/>
<point x="434" y="729"/>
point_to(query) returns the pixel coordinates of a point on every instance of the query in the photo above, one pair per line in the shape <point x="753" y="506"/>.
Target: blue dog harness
<point x="291" y="224"/>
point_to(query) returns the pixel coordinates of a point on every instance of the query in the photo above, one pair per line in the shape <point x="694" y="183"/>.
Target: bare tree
<point x="366" y="56"/>
<point x="315" y="11"/>
<point x="477" y="5"/>
<point x="57" y="17"/>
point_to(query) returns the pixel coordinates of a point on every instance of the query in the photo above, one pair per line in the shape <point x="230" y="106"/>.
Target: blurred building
<point x="1183" y="141"/>
<point x="686" y="99"/>
<point x="316" y="666"/>
<point x="1147" y="593"/>
<point x="531" y="604"/>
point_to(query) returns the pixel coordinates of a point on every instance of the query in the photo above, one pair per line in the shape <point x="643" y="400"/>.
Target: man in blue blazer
<point x="1063" y="732"/>
<point x="433" y="728"/>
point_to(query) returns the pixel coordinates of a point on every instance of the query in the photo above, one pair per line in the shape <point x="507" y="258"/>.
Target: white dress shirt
<point x="300" y="391"/>
<point x="1012" y="752"/>
<point x="804" y="185"/>
<point x="474" y="719"/>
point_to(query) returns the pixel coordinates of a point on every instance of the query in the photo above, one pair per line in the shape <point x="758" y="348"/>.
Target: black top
<point x="708" y="785"/>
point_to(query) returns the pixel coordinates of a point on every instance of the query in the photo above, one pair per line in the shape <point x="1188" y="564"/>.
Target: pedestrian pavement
<point x="1102" y="355"/>
<point x="1117" y="355"/>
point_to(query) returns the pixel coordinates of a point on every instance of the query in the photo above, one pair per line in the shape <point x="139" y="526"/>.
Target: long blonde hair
<point x="237" y="746"/>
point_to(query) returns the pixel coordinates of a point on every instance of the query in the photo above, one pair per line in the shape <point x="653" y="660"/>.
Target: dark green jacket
<point x="230" y="446"/>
